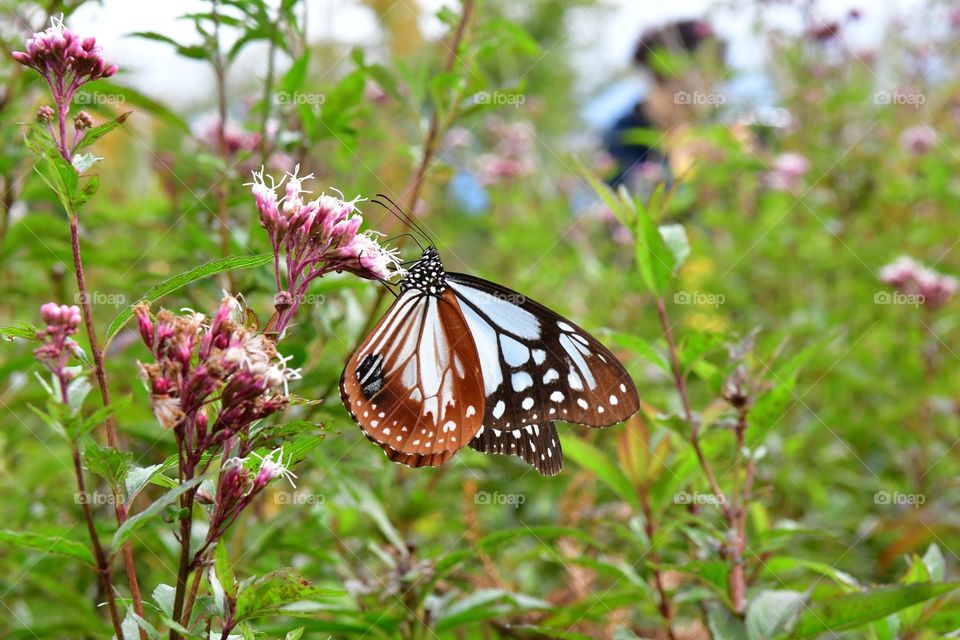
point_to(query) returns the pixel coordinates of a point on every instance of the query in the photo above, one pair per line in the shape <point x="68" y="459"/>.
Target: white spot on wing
<point x="514" y="353"/>
<point x="556" y="396"/>
<point x="527" y="403"/>
<point x="521" y="380"/>
<point x="499" y="409"/>
<point x="505" y="315"/>
<point x="550" y="376"/>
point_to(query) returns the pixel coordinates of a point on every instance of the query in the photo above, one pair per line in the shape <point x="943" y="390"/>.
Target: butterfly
<point x="460" y="361"/>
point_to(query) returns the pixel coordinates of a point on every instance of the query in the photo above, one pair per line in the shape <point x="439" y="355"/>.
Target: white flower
<point x="166" y="409"/>
<point x="272" y="466"/>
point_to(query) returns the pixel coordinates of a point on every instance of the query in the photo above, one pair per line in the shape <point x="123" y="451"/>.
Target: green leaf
<point x="107" y="462"/>
<point x="606" y="469"/>
<point x="224" y="570"/>
<point x="99" y="131"/>
<point x="157" y="507"/>
<point x="21" y="330"/>
<point x="101" y="414"/>
<point x="363" y="499"/>
<point x="936" y="565"/>
<point x="654" y="258"/>
<point x="58" y="545"/>
<point x="164" y="596"/>
<point x="295" y="76"/>
<point x="769" y="612"/>
<point x="268" y="594"/>
<point x="485" y="604"/>
<point x="642" y="348"/>
<point x="724" y="625"/>
<point x="675" y="237"/>
<point x="609" y="198"/>
<point x="138" y="478"/>
<point x="840" y="613"/>
<point x="230" y="263"/>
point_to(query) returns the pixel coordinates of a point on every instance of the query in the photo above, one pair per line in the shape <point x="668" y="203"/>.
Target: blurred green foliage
<point x="853" y="408"/>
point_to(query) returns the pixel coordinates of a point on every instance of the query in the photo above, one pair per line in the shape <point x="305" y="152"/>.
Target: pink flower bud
<point x="145" y="324"/>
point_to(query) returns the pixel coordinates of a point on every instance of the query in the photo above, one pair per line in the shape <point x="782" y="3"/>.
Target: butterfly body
<point x="460" y="361"/>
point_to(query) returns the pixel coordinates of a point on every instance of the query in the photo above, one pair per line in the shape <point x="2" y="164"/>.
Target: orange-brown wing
<point x="414" y="385"/>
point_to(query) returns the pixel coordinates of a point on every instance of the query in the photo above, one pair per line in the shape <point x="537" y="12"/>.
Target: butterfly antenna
<point x="399" y="215"/>
<point x="401" y="235"/>
<point x="407" y="218"/>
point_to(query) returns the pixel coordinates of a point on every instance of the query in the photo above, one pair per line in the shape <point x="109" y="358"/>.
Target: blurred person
<point x="677" y="93"/>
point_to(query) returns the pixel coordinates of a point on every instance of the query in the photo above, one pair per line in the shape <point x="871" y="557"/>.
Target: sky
<point x="601" y="38"/>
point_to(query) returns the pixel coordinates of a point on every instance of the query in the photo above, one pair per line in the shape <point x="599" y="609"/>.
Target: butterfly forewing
<point x="538" y="366"/>
<point x="415" y="385"/>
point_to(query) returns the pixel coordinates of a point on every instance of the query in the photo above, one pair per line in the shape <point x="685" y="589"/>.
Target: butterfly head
<point x="427" y="274"/>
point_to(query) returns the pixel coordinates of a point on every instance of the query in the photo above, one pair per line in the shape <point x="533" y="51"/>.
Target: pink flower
<point x="788" y="171"/>
<point x="197" y="362"/>
<point x="311" y="238"/>
<point x="65" y="59"/>
<point x="513" y="155"/>
<point x="918" y="140"/>
<point x="57" y="348"/>
<point x="909" y="277"/>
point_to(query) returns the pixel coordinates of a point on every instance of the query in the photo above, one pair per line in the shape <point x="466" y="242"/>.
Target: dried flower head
<point x="198" y="361"/>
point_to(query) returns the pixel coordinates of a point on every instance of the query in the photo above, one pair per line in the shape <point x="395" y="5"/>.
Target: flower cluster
<point x="313" y="238"/>
<point x="238" y="485"/>
<point x="67" y="62"/>
<point x="57" y="348"/>
<point x="514" y="154"/>
<point x="918" y="140"/>
<point x="200" y="365"/>
<point x="911" y="278"/>
<point x="64" y="59"/>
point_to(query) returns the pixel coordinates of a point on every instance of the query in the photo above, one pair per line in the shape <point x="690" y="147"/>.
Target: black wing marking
<point x="538" y="445"/>
<point x="538" y="366"/>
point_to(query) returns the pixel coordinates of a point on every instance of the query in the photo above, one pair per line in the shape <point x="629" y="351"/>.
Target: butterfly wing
<point x="538" y="367"/>
<point x="538" y="445"/>
<point x="415" y="385"/>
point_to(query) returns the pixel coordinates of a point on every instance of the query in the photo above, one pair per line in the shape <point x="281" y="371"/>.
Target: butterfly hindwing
<point x="539" y="366"/>
<point x="415" y="385"/>
<point x="538" y="445"/>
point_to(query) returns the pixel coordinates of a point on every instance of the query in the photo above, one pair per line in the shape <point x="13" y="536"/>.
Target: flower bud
<point x="45" y="114"/>
<point x="82" y="121"/>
